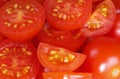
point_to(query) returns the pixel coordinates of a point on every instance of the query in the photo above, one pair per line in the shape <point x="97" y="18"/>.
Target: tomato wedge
<point x="21" y="19"/>
<point x="67" y="75"/>
<point x="18" y="60"/>
<point x="71" y="40"/>
<point x="101" y="21"/>
<point x="59" y="59"/>
<point x="67" y="14"/>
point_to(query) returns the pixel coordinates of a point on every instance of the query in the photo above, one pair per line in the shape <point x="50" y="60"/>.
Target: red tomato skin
<point x="32" y="60"/>
<point x="115" y="31"/>
<point x="99" y="24"/>
<point x="103" y="58"/>
<point x="71" y="24"/>
<point x="71" y="40"/>
<point x="28" y="32"/>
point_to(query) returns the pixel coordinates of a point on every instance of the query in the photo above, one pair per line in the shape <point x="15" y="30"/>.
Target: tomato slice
<point x="101" y="21"/>
<point x="67" y="75"/>
<point x="59" y="59"/>
<point x="18" y="60"/>
<point x="21" y="19"/>
<point x="67" y="14"/>
<point x="71" y="40"/>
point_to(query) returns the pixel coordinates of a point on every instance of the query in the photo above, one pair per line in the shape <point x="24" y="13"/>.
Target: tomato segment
<point x="18" y="60"/>
<point x="67" y="14"/>
<point x="101" y="21"/>
<point x="21" y="20"/>
<point x="71" y="40"/>
<point x="58" y="59"/>
<point x="67" y="75"/>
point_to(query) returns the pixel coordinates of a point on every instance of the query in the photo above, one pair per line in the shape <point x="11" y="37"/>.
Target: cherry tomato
<point x="67" y="14"/>
<point x="115" y="31"/>
<point x="18" y="60"/>
<point x="103" y="58"/>
<point x="71" y="40"/>
<point x="101" y="21"/>
<point x="67" y="75"/>
<point x="59" y="59"/>
<point x="21" y="19"/>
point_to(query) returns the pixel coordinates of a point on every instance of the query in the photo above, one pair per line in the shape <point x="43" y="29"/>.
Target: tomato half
<point x="67" y="75"/>
<point x="21" y="19"/>
<point x="18" y="60"/>
<point x="103" y="58"/>
<point x="115" y="31"/>
<point x="71" y="40"/>
<point x="101" y="21"/>
<point x="67" y="14"/>
<point x="59" y="59"/>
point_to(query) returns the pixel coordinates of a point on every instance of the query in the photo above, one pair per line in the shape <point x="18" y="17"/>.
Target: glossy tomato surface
<point x="18" y="60"/>
<point x="71" y="40"/>
<point x="58" y="59"/>
<point x="115" y="31"/>
<point x="67" y="75"/>
<point x="67" y="14"/>
<point x="21" y="19"/>
<point x="101" y="21"/>
<point x="103" y="58"/>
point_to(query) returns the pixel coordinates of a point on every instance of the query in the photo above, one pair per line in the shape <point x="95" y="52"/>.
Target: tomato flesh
<point x="58" y="59"/>
<point x="101" y="21"/>
<point x="67" y="14"/>
<point x="21" y="20"/>
<point x="18" y="60"/>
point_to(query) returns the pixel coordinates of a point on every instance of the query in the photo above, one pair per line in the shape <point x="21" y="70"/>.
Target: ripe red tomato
<point x="101" y="21"/>
<point x="21" y="19"/>
<point x="58" y="59"/>
<point x="67" y="75"/>
<point x="71" y="40"/>
<point x="103" y="58"/>
<point x="41" y="1"/>
<point x="117" y="5"/>
<point x="115" y="31"/>
<point x="3" y="1"/>
<point x="2" y="37"/>
<point x="67" y="14"/>
<point x="18" y="60"/>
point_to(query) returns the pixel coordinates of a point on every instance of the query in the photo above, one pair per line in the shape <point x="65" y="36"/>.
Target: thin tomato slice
<point x="67" y="14"/>
<point x="101" y="21"/>
<point x="59" y="59"/>
<point x="21" y="19"/>
<point x="18" y="60"/>
<point x="71" y="40"/>
<point x="67" y="75"/>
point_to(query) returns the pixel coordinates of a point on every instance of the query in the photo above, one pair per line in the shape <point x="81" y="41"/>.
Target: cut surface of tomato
<point x="101" y="21"/>
<point x="59" y="59"/>
<point x="67" y="75"/>
<point x="67" y="14"/>
<point x="18" y="60"/>
<point x="71" y="40"/>
<point x="21" y="19"/>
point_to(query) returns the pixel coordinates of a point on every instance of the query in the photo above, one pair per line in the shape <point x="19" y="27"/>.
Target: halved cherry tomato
<point x="21" y="19"/>
<point x="18" y="60"/>
<point x="101" y="21"/>
<point x="71" y="40"/>
<point x="115" y="31"/>
<point x="67" y="75"/>
<point x="67" y="14"/>
<point x="103" y="58"/>
<point x="59" y="59"/>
